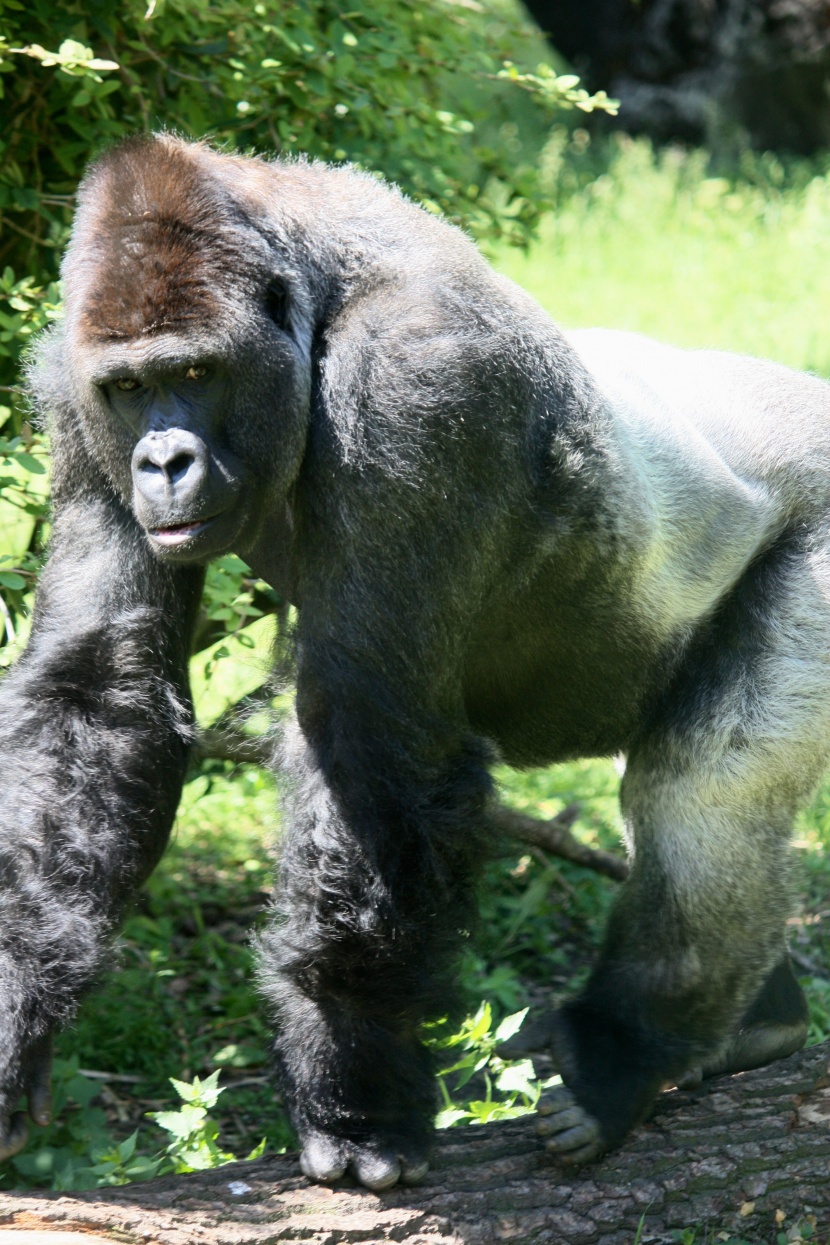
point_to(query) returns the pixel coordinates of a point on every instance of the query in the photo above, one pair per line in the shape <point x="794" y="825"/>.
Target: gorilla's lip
<point x="175" y="534"/>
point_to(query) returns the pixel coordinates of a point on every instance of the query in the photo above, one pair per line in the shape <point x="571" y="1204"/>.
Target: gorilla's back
<point x="727" y="451"/>
<point x="716" y="458"/>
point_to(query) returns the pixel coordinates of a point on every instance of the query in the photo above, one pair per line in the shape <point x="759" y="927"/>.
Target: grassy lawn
<point x="657" y="246"/>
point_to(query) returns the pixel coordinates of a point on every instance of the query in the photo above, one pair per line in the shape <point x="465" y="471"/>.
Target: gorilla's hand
<point x="36" y="1085"/>
<point x="376" y="1164"/>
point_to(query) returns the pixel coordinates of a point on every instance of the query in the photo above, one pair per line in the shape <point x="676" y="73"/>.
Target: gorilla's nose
<point x="170" y="467"/>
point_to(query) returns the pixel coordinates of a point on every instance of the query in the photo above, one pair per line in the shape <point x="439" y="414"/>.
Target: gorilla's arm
<point x="389" y="783"/>
<point x="387" y="813"/>
<point x="94" y="731"/>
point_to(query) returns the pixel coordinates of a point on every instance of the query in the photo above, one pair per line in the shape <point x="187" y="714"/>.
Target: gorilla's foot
<point x="571" y="1133"/>
<point x="376" y="1164"/>
<point x="774" y="1026"/>
<point x="612" y="1075"/>
<point x="750" y="1048"/>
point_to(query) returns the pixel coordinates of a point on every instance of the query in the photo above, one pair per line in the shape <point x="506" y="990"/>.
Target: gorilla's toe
<point x="376" y="1170"/>
<point x="377" y="1165"/>
<point x="571" y="1133"/>
<point x="14" y="1133"/>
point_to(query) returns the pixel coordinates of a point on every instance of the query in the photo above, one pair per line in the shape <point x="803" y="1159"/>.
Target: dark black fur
<point x="490" y="555"/>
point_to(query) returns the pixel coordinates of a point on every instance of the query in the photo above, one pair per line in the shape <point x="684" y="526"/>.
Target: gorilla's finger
<point x="376" y="1170"/>
<point x="413" y="1171"/>
<point x="323" y="1159"/>
<point x="39" y="1087"/>
<point x="559" y="1122"/>
<point x="14" y="1134"/>
<point x="575" y="1158"/>
<point x="556" y="1100"/>
<point x="40" y="1102"/>
<point x="583" y="1136"/>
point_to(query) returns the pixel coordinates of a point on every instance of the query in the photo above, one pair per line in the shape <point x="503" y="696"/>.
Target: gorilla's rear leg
<point x="693" y="978"/>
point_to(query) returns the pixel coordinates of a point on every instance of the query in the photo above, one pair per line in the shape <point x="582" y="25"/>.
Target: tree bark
<point x="747" y="1155"/>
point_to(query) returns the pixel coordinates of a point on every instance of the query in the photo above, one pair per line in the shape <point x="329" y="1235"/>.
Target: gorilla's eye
<point x="196" y="373"/>
<point x="276" y="303"/>
<point x="127" y="384"/>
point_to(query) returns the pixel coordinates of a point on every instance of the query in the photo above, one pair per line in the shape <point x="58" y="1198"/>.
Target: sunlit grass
<point x="657" y="246"/>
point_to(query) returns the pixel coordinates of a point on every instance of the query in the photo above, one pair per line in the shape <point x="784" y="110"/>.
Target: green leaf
<point x="450" y="1116"/>
<point x="32" y="464"/>
<point x="518" y="1078"/>
<point x="510" y="1025"/>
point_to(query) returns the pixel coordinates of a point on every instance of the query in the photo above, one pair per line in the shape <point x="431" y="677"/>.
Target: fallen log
<point x="745" y="1155"/>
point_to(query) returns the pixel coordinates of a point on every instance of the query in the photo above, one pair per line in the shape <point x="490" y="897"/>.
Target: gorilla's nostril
<point x="178" y="467"/>
<point x="175" y="462"/>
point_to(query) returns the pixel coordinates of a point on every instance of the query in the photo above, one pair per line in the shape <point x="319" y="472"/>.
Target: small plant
<point x="194" y="1134"/>
<point x="75" y="1150"/>
<point x="511" y="1087"/>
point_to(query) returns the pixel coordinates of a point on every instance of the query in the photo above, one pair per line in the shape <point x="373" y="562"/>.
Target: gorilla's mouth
<point x="180" y="533"/>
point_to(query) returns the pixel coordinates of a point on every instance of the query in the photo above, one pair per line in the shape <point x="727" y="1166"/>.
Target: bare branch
<point x="553" y="835"/>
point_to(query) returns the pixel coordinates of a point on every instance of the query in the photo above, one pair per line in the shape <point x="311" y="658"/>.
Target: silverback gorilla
<point x="502" y="541"/>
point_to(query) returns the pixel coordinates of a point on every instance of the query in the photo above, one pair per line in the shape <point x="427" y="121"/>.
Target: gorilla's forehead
<point x="157" y="246"/>
<point x="155" y="277"/>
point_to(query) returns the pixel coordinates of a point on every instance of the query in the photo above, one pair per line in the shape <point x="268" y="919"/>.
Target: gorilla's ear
<point x="277" y="303"/>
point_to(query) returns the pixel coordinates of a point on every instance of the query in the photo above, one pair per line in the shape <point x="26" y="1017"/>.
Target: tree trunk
<point x="747" y="1155"/>
<point x="711" y="71"/>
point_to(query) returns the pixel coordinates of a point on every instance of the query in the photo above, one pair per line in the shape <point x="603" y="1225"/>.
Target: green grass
<point x="658" y="246"/>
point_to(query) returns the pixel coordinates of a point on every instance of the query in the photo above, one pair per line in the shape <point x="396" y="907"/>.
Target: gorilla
<point x="503" y="541"/>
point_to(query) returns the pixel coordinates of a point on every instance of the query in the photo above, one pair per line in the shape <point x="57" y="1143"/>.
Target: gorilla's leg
<point x="375" y="889"/>
<point x="692" y="975"/>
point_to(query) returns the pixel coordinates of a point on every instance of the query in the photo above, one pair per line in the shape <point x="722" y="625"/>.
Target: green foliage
<point x="194" y="1134"/>
<point x="653" y="242"/>
<point x="76" y="1151"/>
<point x="418" y="90"/>
<point x="511" y="1087"/>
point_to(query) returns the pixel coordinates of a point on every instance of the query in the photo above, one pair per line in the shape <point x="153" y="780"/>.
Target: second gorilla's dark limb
<point x="94" y="737"/>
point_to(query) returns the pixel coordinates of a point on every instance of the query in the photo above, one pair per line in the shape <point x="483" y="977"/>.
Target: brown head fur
<point x="155" y="239"/>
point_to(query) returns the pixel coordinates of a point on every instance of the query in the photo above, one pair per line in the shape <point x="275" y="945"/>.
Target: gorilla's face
<point x="187" y="484"/>
<point x="200" y="429"/>
<point x="199" y="441"/>
<point x="186" y="352"/>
